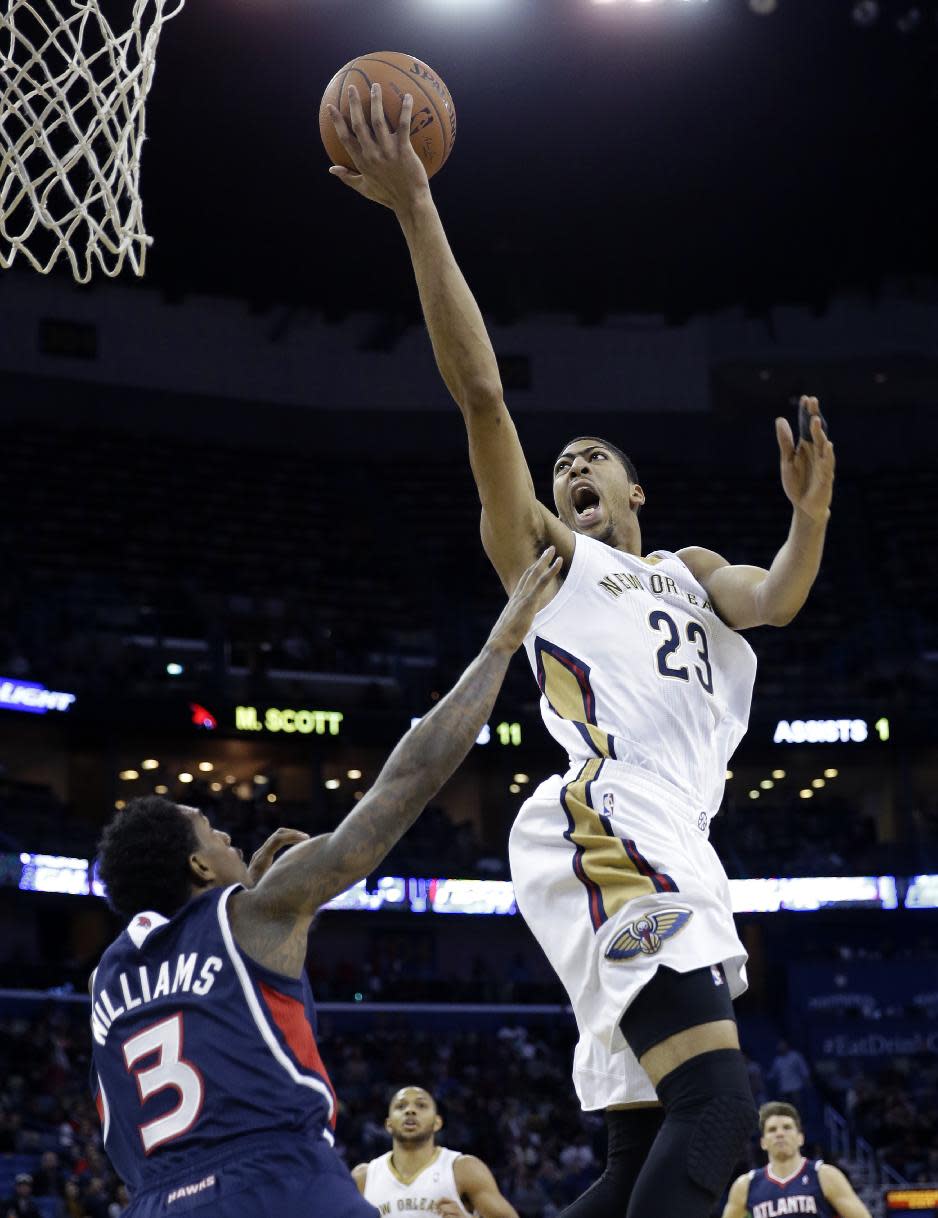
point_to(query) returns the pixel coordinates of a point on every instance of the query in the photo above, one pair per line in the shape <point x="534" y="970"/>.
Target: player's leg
<point x="631" y="1133"/>
<point x="682" y="1029"/>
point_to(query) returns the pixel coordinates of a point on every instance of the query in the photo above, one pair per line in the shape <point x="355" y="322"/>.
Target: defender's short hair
<point x="626" y="461"/>
<point x="775" y="1108"/>
<point x="143" y="857"/>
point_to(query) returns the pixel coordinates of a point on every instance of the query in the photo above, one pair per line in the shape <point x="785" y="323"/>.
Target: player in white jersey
<point x="417" y="1176"/>
<point x="646" y="684"/>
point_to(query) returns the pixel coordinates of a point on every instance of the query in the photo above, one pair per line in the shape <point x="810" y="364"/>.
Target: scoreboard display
<point x="921" y="1199"/>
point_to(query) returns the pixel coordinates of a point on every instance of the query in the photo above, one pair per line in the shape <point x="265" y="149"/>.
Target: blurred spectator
<point x="21" y="1204"/>
<point x="789" y="1074"/>
<point x="48" y="1179"/>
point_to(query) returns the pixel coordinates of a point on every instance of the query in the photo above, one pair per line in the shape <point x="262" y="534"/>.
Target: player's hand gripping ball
<point x="433" y="122"/>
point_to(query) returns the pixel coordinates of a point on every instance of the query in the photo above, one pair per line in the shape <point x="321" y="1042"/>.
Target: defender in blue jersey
<point x="789" y="1183"/>
<point x="208" y="1080"/>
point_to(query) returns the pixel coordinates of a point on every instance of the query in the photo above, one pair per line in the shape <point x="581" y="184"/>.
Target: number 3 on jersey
<point x="696" y="635"/>
<point x="169" y="1070"/>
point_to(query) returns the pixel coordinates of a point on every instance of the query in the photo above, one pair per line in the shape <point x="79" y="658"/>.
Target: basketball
<point x="433" y="125"/>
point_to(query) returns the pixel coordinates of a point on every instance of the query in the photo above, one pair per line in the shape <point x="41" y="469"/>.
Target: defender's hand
<point x="532" y="592"/>
<point x="265" y="855"/>
<point x="807" y="468"/>
<point x="389" y="171"/>
<point x="450" y="1209"/>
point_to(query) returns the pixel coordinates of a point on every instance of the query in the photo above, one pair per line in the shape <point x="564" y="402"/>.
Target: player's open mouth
<point x="585" y="500"/>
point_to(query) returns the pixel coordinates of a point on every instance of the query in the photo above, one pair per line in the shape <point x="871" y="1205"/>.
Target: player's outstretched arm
<point x="752" y="596"/>
<point x="271" y="920"/>
<point x="515" y="525"/>
<point x="739" y="1195"/>
<point x="838" y="1190"/>
<point x="480" y="1188"/>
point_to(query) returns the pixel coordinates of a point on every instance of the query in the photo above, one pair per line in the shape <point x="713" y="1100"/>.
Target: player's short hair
<point x="143" y="857"/>
<point x="625" y="460"/>
<point x="775" y="1108"/>
<point x="412" y="1087"/>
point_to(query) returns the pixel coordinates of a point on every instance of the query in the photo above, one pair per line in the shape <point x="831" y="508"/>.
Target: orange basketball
<point x="433" y="123"/>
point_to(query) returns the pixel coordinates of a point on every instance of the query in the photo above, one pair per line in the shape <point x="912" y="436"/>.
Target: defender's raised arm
<point x="515" y="526"/>
<point x="271" y="921"/>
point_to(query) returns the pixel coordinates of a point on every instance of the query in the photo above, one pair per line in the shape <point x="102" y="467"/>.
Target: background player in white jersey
<point x="790" y="1183"/>
<point x="417" y="1176"/>
<point x="646" y="684"/>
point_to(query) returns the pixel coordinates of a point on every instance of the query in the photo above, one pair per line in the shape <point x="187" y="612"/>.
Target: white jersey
<point x="634" y="664"/>
<point x="421" y="1194"/>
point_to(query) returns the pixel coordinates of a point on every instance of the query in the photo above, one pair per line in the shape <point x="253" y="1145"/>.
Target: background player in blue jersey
<point x="790" y="1183"/>
<point x="646" y="682"/>
<point x="208" y="1079"/>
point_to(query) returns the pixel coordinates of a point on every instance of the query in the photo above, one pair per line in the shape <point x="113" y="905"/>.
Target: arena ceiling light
<point x="271" y="798"/>
<point x="129" y="775"/>
<point x="174" y="669"/>
<point x="353" y="774"/>
<point x="817" y="783"/>
<point x="514" y="788"/>
<point x="754" y="794"/>
<point x="766" y="784"/>
<point x="729" y="775"/>
<point x="206" y="767"/>
<point x="216" y="786"/>
<point x="185" y="776"/>
<point x="332" y="784"/>
<point x="160" y="789"/>
<point x="522" y="778"/>
<point x="831" y="773"/>
<point x="149" y="763"/>
<point x="779" y="774"/>
<point x="806" y="793"/>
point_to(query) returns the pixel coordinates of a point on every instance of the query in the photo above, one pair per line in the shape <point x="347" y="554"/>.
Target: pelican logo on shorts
<point x="702" y="821"/>
<point x="609" y="803"/>
<point x="645" y="935"/>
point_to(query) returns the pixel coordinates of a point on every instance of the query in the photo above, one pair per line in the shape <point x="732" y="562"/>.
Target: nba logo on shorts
<point x="717" y="974"/>
<point x="609" y="803"/>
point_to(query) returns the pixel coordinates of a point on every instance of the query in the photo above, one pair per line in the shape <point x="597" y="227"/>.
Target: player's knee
<point x="712" y="1093"/>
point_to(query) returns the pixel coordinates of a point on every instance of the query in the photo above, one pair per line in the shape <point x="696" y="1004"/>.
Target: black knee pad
<point x="712" y="1093"/>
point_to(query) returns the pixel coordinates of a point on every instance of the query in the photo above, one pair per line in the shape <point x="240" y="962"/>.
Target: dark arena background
<point x="241" y="547"/>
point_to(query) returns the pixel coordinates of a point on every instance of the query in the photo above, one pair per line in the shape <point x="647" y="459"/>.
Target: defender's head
<point x="780" y="1128"/>
<point x="157" y="855"/>
<point x="412" y="1116"/>
<point x="596" y="488"/>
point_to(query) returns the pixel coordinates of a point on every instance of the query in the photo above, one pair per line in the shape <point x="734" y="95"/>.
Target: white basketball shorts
<point x="614" y="874"/>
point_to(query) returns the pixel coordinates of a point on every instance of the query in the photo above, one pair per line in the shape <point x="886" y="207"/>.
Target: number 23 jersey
<point x="634" y="664"/>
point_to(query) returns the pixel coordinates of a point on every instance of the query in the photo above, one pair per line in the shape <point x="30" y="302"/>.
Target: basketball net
<point x="72" y="125"/>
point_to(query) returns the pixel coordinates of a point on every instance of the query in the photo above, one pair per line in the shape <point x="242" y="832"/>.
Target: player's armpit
<point x="739" y="1195"/>
<point x="477" y="1184"/>
<point x="733" y="590"/>
<point x="359" y="1173"/>
<point x="838" y="1190"/>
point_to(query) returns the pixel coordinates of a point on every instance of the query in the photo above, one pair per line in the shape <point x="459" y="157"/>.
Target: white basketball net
<point x="72" y="117"/>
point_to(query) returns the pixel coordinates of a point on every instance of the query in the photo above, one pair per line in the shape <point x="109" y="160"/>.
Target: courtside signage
<point x="416" y="894"/>
<point x="31" y="697"/>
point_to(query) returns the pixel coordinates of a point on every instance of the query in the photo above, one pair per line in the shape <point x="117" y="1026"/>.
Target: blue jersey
<point x="195" y="1045"/>
<point x="799" y="1193"/>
